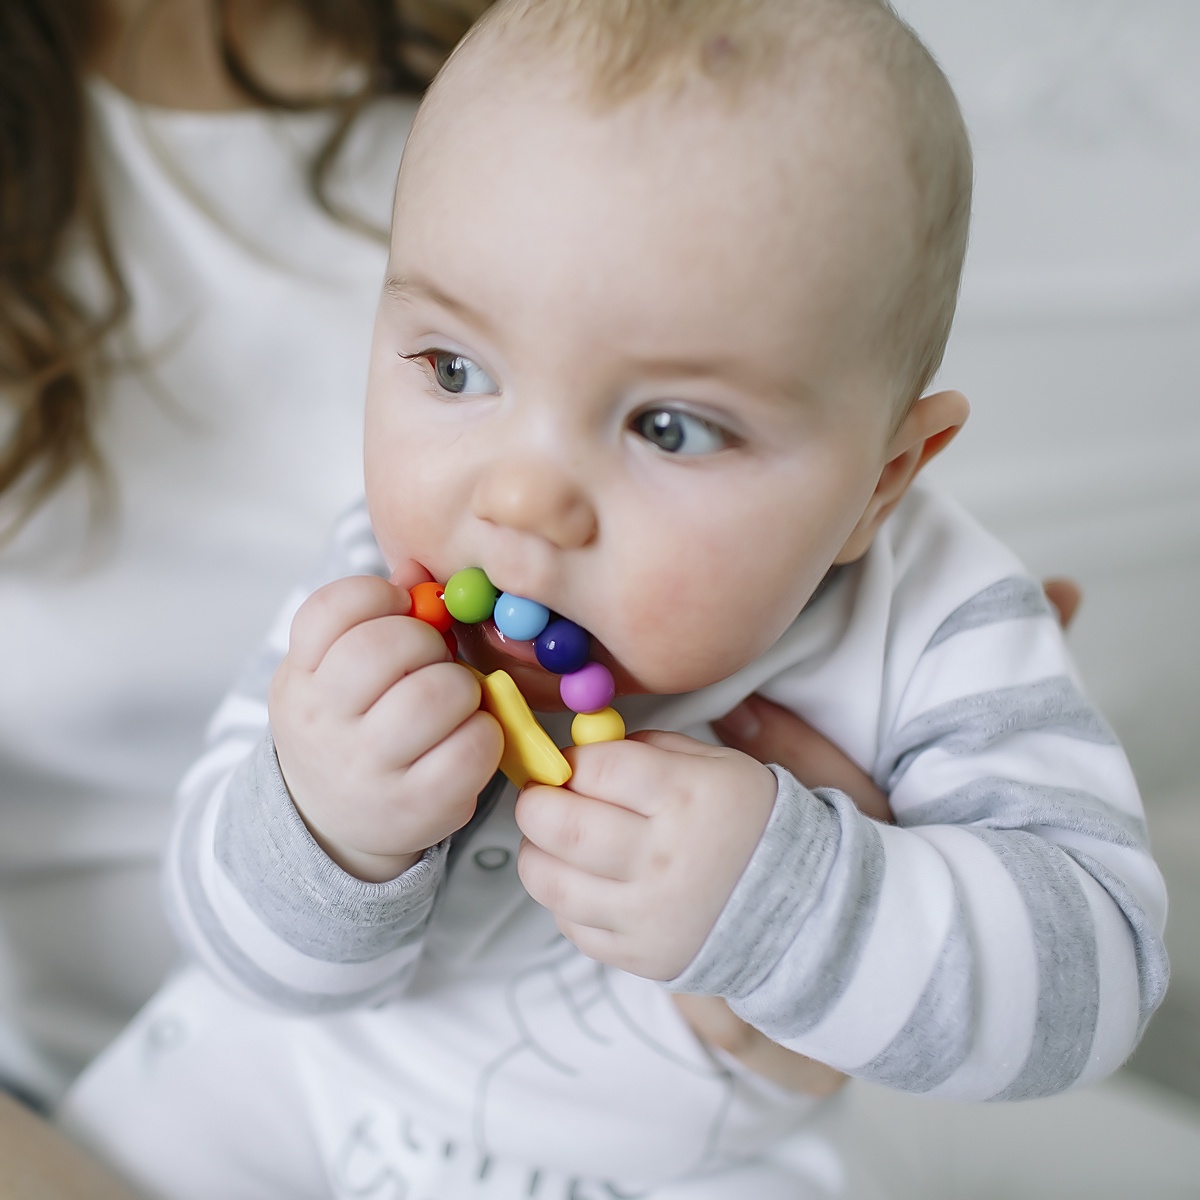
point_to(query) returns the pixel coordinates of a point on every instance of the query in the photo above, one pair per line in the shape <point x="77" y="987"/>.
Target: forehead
<point x="790" y="200"/>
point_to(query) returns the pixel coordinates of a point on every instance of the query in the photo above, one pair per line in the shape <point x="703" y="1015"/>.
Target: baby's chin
<point x="488" y="650"/>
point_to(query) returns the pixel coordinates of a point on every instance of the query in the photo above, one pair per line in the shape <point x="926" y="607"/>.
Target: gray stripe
<point x="247" y="972"/>
<point x="807" y="911"/>
<point x="294" y="888"/>
<point x="969" y="724"/>
<point x="776" y="892"/>
<point x="1153" y="967"/>
<point x="995" y="803"/>
<point x="936" y="1039"/>
<point x="1068" y="1000"/>
<point x="828" y="954"/>
<point x="1010" y="599"/>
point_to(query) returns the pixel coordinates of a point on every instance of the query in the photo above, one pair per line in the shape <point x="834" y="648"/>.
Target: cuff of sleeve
<point x="780" y="886"/>
<point x="264" y="846"/>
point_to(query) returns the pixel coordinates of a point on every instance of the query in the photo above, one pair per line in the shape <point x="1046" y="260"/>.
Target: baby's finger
<point x="677" y="743"/>
<point x="372" y="656"/>
<point x="333" y="609"/>
<point x="453" y="772"/>
<point x="570" y="894"/>
<point x="590" y="835"/>
<point x="420" y="711"/>
<point x="408" y="573"/>
<point x="640" y="772"/>
<point x="602" y="945"/>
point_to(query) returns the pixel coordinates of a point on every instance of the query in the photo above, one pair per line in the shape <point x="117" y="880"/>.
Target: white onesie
<point x="1002" y="940"/>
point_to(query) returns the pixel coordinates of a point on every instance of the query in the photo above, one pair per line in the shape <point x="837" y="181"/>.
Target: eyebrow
<point x="410" y="288"/>
<point x="718" y="364"/>
<point x="405" y="289"/>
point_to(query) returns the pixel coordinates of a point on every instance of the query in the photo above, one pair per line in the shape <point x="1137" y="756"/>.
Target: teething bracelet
<point x="560" y="646"/>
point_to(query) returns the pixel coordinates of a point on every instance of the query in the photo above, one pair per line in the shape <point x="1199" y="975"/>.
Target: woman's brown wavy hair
<point x="48" y="195"/>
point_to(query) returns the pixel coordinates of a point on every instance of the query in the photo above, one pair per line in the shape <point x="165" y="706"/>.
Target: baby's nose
<point x="537" y="498"/>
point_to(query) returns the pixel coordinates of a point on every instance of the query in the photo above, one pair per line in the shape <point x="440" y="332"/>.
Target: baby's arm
<point x="253" y="893"/>
<point x="1002" y="941"/>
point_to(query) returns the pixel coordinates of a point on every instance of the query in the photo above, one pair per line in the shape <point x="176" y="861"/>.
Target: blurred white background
<point x="1078" y="342"/>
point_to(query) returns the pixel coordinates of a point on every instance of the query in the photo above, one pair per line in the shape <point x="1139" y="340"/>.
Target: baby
<point x="668" y="282"/>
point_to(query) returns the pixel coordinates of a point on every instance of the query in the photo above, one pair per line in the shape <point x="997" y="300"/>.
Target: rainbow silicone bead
<point x="520" y="619"/>
<point x="561" y="646"/>
<point x="428" y="606"/>
<point x="589" y="689"/>
<point x="470" y="596"/>
<point x="603" y="726"/>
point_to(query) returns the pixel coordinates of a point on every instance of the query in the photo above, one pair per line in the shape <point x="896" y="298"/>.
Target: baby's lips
<point x="408" y="573"/>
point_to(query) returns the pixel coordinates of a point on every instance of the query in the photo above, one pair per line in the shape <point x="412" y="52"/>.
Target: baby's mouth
<point x="485" y="648"/>
<point x="506" y="647"/>
<point x="488" y="650"/>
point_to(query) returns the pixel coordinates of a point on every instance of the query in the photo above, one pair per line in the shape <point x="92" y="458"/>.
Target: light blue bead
<point x="520" y="619"/>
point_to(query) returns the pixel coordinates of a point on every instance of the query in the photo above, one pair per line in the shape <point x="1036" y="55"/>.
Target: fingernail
<point x="741" y="722"/>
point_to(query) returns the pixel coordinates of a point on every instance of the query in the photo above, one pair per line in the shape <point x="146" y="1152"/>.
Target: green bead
<point x="470" y="596"/>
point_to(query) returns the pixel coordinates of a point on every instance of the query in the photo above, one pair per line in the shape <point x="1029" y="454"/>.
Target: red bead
<point x="428" y="606"/>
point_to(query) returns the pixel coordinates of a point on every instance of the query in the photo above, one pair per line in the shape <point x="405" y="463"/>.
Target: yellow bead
<point x="603" y="726"/>
<point x="529" y="753"/>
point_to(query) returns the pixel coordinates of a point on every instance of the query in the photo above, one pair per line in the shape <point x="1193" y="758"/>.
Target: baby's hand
<point x="638" y="854"/>
<point x="378" y="732"/>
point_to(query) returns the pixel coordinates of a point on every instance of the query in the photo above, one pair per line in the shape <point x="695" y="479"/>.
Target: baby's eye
<point x="459" y="375"/>
<point x="679" y="432"/>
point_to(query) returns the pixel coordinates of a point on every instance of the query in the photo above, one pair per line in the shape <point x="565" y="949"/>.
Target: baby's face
<point x="624" y="363"/>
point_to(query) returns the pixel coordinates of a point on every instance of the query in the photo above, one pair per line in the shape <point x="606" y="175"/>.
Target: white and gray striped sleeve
<point x="1004" y="939"/>
<point x="250" y="893"/>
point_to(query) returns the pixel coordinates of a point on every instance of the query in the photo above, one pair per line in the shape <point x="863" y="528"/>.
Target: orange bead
<point x="428" y="606"/>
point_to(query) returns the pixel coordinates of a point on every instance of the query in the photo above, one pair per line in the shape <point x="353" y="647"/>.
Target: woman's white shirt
<point x="231" y="428"/>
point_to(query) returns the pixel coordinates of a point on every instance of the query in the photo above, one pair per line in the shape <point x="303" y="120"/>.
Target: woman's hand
<point x="773" y="735"/>
<point x="712" y="1021"/>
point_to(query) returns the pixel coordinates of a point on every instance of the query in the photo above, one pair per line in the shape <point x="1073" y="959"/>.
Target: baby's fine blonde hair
<point x="621" y="49"/>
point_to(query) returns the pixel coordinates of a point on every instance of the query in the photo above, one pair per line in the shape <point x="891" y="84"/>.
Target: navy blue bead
<point x="563" y="646"/>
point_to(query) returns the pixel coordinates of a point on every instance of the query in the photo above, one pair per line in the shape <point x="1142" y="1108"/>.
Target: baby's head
<point x="668" y="280"/>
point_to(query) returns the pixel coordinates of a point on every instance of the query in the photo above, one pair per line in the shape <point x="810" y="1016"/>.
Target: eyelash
<point x="429" y="358"/>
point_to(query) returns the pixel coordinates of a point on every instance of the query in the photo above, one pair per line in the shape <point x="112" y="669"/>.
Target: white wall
<point x="1078" y="341"/>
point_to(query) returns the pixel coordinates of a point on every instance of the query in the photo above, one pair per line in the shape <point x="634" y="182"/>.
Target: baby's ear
<point x="927" y="429"/>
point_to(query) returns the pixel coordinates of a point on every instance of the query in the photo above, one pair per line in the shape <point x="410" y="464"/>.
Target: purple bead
<point x="563" y="646"/>
<point x="589" y="689"/>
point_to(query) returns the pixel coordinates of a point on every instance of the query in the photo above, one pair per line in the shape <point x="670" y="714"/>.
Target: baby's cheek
<point x="690" y="646"/>
<point x="409" y="517"/>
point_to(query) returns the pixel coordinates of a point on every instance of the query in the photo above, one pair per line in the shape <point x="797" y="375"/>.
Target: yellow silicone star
<point x="528" y="751"/>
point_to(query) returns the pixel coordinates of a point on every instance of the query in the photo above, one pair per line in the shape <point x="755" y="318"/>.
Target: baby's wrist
<point x="370" y="868"/>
